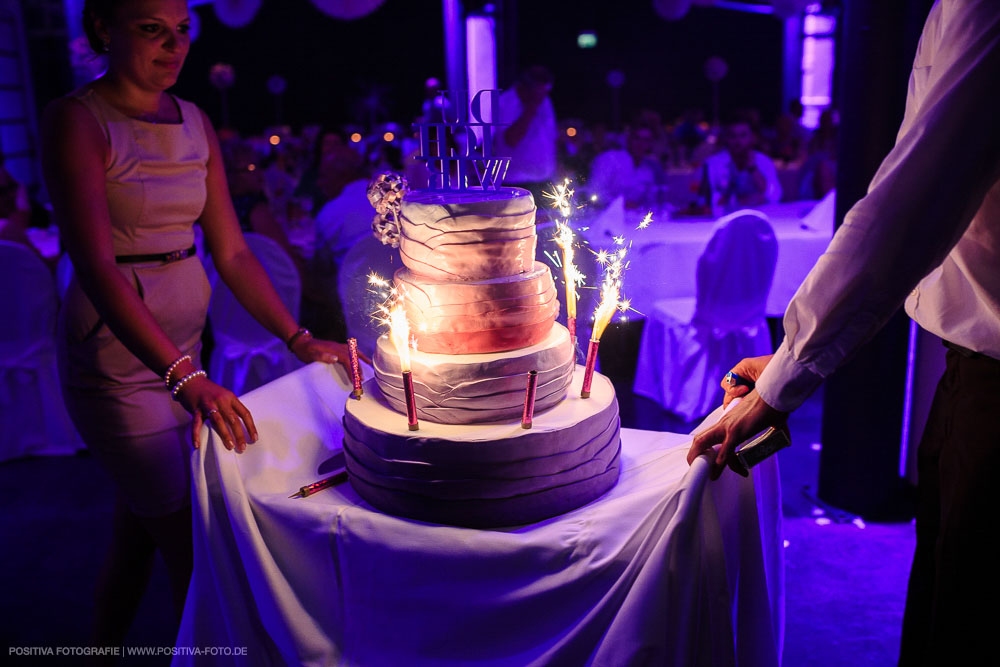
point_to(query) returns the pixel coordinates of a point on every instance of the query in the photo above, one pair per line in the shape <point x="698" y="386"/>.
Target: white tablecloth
<point x="667" y="568"/>
<point x="802" y="232"/>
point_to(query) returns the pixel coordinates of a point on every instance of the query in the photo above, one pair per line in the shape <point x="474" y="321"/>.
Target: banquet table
<point x="803" y="230"/>
<point x="666" y="568"/>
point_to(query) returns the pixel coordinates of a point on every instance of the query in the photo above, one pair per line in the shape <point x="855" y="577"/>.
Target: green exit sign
<point x="586" y="40"/>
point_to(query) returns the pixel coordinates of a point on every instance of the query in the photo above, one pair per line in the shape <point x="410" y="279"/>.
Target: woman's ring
<point x="208" y="415"/>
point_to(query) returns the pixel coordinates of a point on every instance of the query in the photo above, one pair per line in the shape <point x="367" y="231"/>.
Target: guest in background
<point x="327" y="140"/>
<point x="738" y="176"/>
<point x="926" y="236"/>
<point x="131" y="323"/>
<point x="819" y="171"/>
<point x="633" y="173"/>
<point x="530" y="139"/>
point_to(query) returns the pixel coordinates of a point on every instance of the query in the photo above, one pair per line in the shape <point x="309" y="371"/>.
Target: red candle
<point x="588" y="372"/>
<point x="352" y="348"/>
<point x="411" y="401"/>
<point x="529" y="400"/>
<point x="571" y="325"/>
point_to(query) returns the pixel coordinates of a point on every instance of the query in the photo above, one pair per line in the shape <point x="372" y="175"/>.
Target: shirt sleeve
<point x="919" y="204"/>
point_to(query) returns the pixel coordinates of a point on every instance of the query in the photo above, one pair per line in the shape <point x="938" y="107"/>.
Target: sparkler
<point x="352" y="349"/>
<point x="529" y="400"/>
<point x="399" y="334"/>
<point x="614" y="265"/>
<point x="562" y="199"/>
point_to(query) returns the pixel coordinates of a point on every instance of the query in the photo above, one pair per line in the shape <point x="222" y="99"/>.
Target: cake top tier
<point x="468" y="235"/>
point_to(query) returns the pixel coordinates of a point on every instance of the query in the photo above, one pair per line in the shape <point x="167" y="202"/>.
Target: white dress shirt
<point x="724" y="178"/>
<point x="534" y="158"/>
<point x="927" y="232"/>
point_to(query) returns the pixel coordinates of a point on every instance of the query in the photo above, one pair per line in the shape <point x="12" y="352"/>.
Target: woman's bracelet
<point x="183" y="381"/>
<point x="295" y="336"/>
<point x="173" y="366"/>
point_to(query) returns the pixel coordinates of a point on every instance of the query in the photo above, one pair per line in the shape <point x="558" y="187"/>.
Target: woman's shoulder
<point x="74" y="112"/>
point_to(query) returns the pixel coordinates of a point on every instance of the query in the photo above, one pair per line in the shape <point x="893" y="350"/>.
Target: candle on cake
<point x="562" y="199"/>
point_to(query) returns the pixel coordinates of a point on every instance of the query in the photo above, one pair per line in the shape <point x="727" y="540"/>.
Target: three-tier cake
<point x="483" y="313"/>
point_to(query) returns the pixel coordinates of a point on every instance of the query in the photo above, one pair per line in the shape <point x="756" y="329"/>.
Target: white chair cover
<point x="33" y="417"/>
<point x="358" y="299"/>
<point x="246" y="355"/>
<point x="688" y="345"/>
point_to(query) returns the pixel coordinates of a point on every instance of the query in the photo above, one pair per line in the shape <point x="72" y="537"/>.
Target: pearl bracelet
<point x="166" y="376"/>
<point x="183" y="381"/>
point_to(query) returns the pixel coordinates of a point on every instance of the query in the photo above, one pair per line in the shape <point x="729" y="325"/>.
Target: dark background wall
<point x="351" y="71"/>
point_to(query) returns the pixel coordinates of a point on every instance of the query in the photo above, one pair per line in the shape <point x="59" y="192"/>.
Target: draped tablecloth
<point x="666" y="569"/>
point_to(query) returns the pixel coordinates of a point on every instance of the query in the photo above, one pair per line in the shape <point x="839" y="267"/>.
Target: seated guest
<point x="738" y="175"/>
<point x="249" y="195"/>
<point x="632" y="173"/>
<point x="347" y="216"/>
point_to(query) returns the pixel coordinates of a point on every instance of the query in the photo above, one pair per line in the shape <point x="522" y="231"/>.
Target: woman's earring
<point x="106" y="45"/>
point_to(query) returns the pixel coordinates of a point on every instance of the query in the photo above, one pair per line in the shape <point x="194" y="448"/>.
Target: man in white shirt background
<point x="632" y="172"/>
<point x="530" y="138"/>
<point x="927" y="233"/>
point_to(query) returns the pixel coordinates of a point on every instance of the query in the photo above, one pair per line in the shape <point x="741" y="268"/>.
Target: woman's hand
<point x="309" y="349"/>
<point x="748" y="369"/>
<point x="219" y="407"/>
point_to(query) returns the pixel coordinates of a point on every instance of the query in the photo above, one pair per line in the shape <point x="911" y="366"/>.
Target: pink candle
<point x="352" y="348"/>
<point x="529" y="400"/>
<point x="411" y="401"/>
<point x="588" y="372"/>
<point x="571" y="325"/>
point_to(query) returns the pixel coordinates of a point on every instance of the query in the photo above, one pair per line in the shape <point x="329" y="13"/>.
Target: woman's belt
<point x="164" y="257"/>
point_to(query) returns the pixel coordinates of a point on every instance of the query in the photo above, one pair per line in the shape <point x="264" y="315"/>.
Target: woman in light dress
<point x="130" y="168"/>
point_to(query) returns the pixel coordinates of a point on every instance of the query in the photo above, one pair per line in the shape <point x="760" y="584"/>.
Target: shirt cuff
<point x="785" y="383"/>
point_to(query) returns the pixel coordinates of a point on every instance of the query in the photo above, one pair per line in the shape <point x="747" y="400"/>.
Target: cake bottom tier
<point x="485" y="475"/>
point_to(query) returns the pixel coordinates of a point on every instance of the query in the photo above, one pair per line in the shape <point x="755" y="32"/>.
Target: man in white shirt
<point x="928" y="232"/>
<point x="738" y="176"/>
<point x="530" y="139"/>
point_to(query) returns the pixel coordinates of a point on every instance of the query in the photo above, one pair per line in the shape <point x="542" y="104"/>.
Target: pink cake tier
<point x="493" y="315"/>
<point x="468" y="235"/>
<point x="485" y="475"/>
<point x="476" y="388"/>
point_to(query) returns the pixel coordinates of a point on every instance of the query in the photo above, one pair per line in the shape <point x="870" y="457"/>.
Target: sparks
<point x="646" y="221"/>
<point x="562" y="198"/>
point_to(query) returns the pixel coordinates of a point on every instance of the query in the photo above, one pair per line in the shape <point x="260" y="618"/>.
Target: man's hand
<point x="748" y="369"/>
<point x="747" y="418"/>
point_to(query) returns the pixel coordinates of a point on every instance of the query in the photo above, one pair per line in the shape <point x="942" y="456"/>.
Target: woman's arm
<point x="74" y="154"/>
<point x="242" y="273"/>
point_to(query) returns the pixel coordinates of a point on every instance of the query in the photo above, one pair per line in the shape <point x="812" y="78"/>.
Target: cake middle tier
<point x="468" y="235"/>
<point x="448" y="317"/>
<point x="477" y="388"/>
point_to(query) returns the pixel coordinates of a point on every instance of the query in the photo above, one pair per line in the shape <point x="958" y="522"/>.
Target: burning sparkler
<point x="562" y="199"/>
<point x="614" y="265"/>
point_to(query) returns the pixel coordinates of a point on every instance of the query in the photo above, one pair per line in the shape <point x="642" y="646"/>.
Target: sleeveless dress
<point x="155" y="179"/>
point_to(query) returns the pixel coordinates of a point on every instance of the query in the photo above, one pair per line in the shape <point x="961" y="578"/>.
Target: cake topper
<point x="453" y="148"/>
<point x="385" y="193"/>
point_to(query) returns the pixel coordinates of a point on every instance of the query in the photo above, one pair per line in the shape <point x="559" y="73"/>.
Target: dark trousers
<point x="953" y="600"/>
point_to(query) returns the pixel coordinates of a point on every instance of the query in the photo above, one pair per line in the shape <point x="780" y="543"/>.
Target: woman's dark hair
<point x="94" y="10"/>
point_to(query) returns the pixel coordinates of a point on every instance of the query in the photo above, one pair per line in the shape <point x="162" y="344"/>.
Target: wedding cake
<point x="482" y="316"/>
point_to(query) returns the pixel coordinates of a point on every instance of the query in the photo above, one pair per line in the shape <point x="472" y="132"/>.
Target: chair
<point x="246" y="355"/>
<point x="33" y="417"/>
<point x="688" y="345"/>
<point x="357" y="298"/>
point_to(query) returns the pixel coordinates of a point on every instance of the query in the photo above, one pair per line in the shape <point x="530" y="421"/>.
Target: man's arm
<point x="919" y="204"/>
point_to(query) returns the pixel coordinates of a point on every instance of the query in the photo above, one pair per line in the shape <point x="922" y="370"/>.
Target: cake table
<point x="666" y="568"/>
